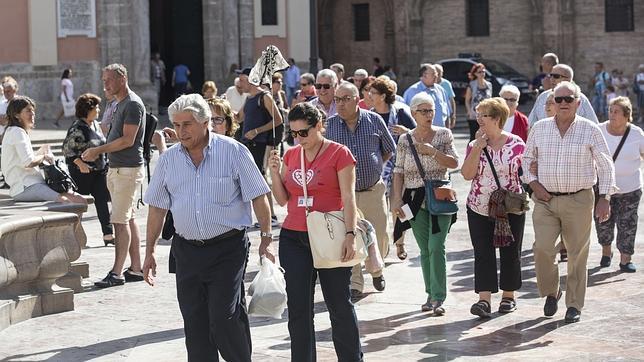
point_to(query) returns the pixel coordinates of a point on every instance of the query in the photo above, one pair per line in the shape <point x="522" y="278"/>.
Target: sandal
<point x="507" y="305"/>
<point x="481" y="309"/>
<point x="108" y="239"/>
<point x="400" y="251"/>
<point x="427" y="307"/>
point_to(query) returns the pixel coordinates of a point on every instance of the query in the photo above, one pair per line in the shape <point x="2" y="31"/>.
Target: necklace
<point x="316" y="154"/>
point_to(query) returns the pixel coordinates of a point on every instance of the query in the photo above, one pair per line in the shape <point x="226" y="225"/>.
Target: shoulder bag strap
<point x="416" y="158"/>
<point x="303" y="169"/>
<point x="621" y="142"/>
<point x="489" y="160"/>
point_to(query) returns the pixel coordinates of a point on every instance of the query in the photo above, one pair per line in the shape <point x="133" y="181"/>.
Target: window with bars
<point x="477" y="13"/>
<point x="619" y="15"/>
<point x="361" y="22"/>
<point x="269" y="12"/>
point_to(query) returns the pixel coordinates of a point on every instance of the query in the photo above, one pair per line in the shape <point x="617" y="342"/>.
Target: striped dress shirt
<point x="572" y="162"/>
<point x="539" y="109"/>
<point x="209" y="199"/>
<point x="368" y="143"/>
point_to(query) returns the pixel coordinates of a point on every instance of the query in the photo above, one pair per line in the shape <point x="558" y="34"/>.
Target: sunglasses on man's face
<point x="568" y="99"/>
<point x="556" y="76"/>
<point x="302" y="132"/>
<point x="320" y="86"/>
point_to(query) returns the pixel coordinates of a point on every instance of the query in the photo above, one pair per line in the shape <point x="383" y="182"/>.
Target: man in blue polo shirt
<point x="427" y="83"/>
<point x="366" y="135"/>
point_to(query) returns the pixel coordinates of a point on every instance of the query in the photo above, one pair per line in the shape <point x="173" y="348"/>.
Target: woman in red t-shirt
<point x="330" y="179"/>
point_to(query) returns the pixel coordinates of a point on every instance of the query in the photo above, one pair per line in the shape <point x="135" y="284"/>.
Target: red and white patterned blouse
<point x="507" y="162"/>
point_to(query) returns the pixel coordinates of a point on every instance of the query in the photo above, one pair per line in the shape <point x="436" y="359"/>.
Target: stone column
<point x="247" y="32"/>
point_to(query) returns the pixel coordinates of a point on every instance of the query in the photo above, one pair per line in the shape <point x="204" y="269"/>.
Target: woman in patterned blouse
<point x="435" y="148"/>
<point x="90" y="177"/>
<point x="506" y="151"/>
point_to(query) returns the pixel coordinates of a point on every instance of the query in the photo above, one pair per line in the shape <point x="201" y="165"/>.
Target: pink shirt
<point x="507" y="162"/>
<point x="321" y="180"/>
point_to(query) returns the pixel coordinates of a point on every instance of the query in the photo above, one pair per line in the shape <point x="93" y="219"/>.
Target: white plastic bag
<point x="268" y="290"/>
<point x="374" y="263"/>
<point x="69" y="108"/>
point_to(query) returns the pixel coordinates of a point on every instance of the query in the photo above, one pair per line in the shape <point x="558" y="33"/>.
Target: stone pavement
<point x="136" y="322"/>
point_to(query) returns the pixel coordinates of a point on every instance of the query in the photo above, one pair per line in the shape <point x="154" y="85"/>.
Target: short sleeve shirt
<point x="128" y="111"/>
<point x="321" y="180"/>
<point x="507" y="162"/>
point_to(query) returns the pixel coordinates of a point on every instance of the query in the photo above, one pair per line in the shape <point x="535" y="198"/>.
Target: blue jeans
<point x="599" y="105"/>
<point x="295" y="258"/>
<point x="290" y="94"/>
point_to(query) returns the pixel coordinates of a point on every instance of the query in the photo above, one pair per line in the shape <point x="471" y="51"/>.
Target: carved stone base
<point x="35" y="305"/>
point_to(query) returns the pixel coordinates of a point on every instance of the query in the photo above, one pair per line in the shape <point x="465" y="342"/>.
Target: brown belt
<point x="201" y="242"/>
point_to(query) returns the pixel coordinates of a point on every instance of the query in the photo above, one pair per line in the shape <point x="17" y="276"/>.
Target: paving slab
<point x="136" y="322"/>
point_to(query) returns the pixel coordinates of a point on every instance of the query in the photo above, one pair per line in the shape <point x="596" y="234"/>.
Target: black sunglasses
<point x="301" y="132"/>
<point x="556" y="76"/>
<point x="568" y="99"/>
<point x="320" y="86"/>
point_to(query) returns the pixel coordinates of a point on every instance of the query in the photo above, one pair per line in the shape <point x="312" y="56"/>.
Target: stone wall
<point x="42" y="83"/>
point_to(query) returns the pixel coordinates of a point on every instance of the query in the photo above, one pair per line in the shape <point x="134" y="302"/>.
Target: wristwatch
<point x="351" y="232"/>
<point x="604" y="196"/>
<point x="266" y="235"/>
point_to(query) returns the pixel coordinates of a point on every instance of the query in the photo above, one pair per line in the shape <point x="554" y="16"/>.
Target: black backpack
<point x="151" y="122"/>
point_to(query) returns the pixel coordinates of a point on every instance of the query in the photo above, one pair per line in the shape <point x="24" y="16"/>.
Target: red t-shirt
<point x="322" y="182"/>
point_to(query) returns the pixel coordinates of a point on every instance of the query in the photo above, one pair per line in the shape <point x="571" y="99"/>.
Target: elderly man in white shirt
<point x="560" y="73"/>
<point x="235" y="96"/>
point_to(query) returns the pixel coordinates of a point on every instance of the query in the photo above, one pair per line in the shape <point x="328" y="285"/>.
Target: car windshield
<point x="498" y="68"/>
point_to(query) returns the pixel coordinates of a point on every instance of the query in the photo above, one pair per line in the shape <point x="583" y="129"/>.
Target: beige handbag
<point x="327" y="232"/>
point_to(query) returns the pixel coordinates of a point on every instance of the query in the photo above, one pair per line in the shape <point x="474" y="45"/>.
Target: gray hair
<point x="193" y="103"/>
<point x="552" y="58"/>
<point x="420" y="99"/>
<point x="574" y="88"/>
<point x="310" y="78"/>
<point x="361" y="72"/>
<point x="439" y="68"/>
<point x="351" y="87"/>
<point x="236" y="82"/>
<point x="117" y="68"/>
<point x="337" y="66"/>
<point x="329" y="74"/>
<point x="511" y="88"/>
<point x="567" y="69"/>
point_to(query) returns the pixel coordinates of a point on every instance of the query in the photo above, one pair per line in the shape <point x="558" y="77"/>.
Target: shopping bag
<point x="268" y="290"/>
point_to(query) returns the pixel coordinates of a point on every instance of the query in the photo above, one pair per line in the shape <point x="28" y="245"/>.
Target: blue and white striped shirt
<point x="368" y="143"/>
<point x="209" y="199"/>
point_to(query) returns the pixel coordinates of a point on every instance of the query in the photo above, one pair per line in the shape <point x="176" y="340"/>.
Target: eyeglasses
<point x="481" y="115"/>
<point x="304" y="84"/>
<point x="556" y="76"/>
<point x="568" y="99"/>
<point x="425" y="112"/>
<point x="277" y="81"/>
<point x="301" y="132"/>
<point x="320" y="86"/>
<point x="344" y="99"/>
<point x="218" y="120"/>
<point x="510" y="100"/>
<point x="480" y="72"/>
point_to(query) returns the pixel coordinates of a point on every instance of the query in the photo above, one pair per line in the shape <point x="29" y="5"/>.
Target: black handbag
<point x="57" y="178"/>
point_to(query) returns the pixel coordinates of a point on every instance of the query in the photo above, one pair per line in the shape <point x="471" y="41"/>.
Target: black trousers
<point x="210" y="291"/>
<point x="297" y="261"/>
<point x="257" y="150"/>
<point x="95" y="183"/>
<point x="474" y="127"/>
<point x="485" y="276"/>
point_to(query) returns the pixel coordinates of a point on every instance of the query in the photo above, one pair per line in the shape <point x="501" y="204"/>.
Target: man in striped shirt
<point x="208" y="182"/>
<point x="366" y="135"/>
<point x="571" y="155"/>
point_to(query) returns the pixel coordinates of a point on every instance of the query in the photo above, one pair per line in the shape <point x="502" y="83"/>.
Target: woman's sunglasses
<point x="302" y="132"/>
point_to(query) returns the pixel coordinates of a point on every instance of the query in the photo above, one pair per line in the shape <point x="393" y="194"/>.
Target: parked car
<point x="497" y="73"/>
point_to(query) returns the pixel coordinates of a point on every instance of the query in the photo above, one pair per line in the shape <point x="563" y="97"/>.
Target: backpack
<point x="151" y="122"/>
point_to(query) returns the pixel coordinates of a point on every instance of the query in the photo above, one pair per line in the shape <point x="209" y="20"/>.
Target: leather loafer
<point x="572" y="315"/>
<point x="550" y="308"/>
<point x="605" y="261"/>
<point x="379" y="283"/>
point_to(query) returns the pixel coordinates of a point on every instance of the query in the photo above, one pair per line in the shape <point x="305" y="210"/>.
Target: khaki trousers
<point x="571" y="217"/>
<point x="373" y="206"/>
